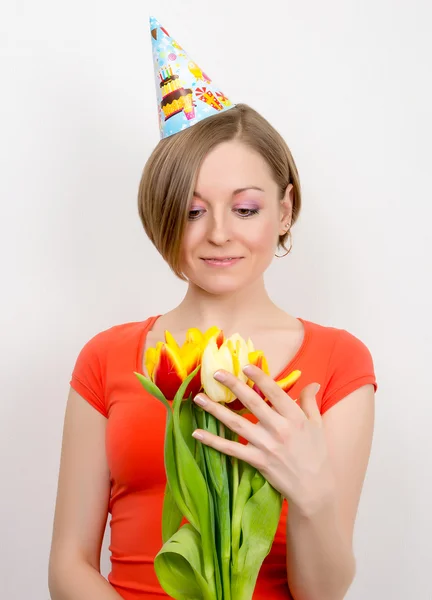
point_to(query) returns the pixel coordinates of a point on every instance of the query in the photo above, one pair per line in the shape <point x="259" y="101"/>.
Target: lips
<point x="219" y="262"/>
<point x="221" y="258"/>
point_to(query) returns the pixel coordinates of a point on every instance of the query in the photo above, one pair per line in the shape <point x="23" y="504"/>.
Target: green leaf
<point x="182" y="389"/>
<point x="172" y="472"/>
<point x="171" y="515"/>
<point x="187" y="424"/>
<point x="179" y="566"/>
<point x="169" y="457"/>
<point x="194" y="488"/>
<point x="198" y="454"/>
<point x="242" y="496"/>
<point x="260" y="520"/>
<point x="199" y="417"/>
<point x="174" y="505"/>
<point x="257" y="482"/>
<point x="152" y="389"/>
<point x="214" y="459"/>
<point x="224" y="521"/>
<point x="218" y="483"/>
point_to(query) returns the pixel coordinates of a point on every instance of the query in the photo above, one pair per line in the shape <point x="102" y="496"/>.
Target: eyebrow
<point x="235" y="192"/>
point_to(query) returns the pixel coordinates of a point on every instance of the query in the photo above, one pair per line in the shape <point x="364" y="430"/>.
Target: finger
<point x="308" y="403"/>
<point x="247" y="430"/>
<point x="251" y="400"/>
<point x="248" y="453"/>
<point x="281" y="401"/>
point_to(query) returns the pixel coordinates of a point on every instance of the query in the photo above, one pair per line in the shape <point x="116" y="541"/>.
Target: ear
<point x="286" y="210"/>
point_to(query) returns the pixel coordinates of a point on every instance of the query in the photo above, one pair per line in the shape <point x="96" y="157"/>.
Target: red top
<point x="103" y="375"/>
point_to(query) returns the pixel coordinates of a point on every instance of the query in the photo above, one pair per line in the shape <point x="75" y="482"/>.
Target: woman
<point x="216" y="200"/>
<point x="244" y="200"/>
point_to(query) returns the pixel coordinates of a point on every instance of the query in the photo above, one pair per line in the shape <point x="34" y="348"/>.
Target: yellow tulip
<point x="169" y="364"/>
<point x="232" y="356"/>
<point x="288" y="382"/>
<point x="258" y="359"/>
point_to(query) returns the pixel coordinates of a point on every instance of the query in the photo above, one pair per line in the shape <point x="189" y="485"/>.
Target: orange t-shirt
<point x="103" y="375"/>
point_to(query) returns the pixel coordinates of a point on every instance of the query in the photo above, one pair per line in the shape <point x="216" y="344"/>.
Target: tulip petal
<point x="168" y="373"/>
<point x="288" y="382"/>
<point x="190" y="357"/>
<point x="258" y="391"/>
<point x="258" y="359"/>
<point x="171" y="342"/>
<point x="238" y="407"/>
<point x="234" y="355"/>
<point x="152" y="358"/>
<point x="194" y="336"/>
<point x="211" y="332"/>
<point x="239" y="347"/>
<point x="220" y="339"/>
<point x="195" y="385"/>
<point x="150" y="361"/>
<point x="212" y="360"/>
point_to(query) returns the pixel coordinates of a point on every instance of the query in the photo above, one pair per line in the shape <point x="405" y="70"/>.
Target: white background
<point x="347" y="84"/>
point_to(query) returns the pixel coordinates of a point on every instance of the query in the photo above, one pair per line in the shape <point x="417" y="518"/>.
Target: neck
<point x="246" y="308"/>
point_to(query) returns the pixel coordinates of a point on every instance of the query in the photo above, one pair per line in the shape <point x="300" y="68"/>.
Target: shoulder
<point x="109" y="347"/>
<point x="102" y="356"/>
<point x="115" y="336"/>
<point x="348" y="362"/>
<point x="337" y="340"/>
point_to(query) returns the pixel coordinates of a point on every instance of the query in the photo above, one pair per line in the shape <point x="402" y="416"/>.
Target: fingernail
<point x="317" y="388"/>
<point x="219" y="376"/>
<point x="197" y="435"/>
<point x="247" y="369"/>
<point x="200" y="400"/>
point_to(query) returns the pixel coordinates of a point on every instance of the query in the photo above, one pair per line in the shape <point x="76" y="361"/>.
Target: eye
<point x="244" y="213"/>
<point x="195" y="214"/>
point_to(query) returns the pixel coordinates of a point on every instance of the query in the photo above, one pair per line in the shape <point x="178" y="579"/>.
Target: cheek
<point x="192" y="241"/>
<point x="264" y="236"/>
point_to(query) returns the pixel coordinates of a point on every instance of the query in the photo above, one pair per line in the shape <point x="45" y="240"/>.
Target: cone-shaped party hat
<point x="185" y="94"/>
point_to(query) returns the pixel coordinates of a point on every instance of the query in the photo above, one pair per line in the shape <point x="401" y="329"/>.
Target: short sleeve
<point x="88" y="376"/>
<point x="350" y="367"/>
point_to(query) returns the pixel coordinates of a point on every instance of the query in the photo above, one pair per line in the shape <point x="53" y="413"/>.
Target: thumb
<point x="308" y="403"/>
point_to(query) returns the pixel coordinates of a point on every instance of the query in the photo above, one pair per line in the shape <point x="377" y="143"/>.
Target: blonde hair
<point x="169" y="177"/>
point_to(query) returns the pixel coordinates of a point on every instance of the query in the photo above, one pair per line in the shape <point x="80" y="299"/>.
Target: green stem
<point x="225" y="525"/>
<point x="235" y="534"/>
<point x="200" y="417"/>
<point x="235" y="482"/>
<point x="193" y="483"/>
<point x="242" y="496"/>
<point x="243" y="586"/>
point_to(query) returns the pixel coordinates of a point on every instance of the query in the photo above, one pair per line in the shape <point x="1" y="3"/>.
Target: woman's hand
<point x="287" y="445"/>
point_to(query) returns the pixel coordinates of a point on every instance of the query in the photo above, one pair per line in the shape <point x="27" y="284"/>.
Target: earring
<point x="290" y="237"/>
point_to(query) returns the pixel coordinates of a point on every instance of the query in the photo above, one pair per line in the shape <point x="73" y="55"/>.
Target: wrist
<point x="319" y="502"/>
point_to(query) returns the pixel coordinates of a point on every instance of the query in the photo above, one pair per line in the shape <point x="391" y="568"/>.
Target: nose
<point x="218" y="231"/>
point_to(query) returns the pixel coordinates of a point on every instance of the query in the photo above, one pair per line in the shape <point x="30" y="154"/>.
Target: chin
<point x="219" y="283"/>
<point x="221" y="287"/>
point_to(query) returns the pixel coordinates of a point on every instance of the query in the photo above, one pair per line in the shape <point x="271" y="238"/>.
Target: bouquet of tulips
<point x="220" y="515"/>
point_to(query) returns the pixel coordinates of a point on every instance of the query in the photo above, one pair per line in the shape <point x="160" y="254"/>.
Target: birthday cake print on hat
<point x="185" y="94"/>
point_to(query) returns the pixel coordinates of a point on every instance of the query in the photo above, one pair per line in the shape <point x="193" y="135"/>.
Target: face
<point x="235" y="219"/>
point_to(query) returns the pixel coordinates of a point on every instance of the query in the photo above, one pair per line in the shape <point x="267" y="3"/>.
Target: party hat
<point x="185" y="94"/>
